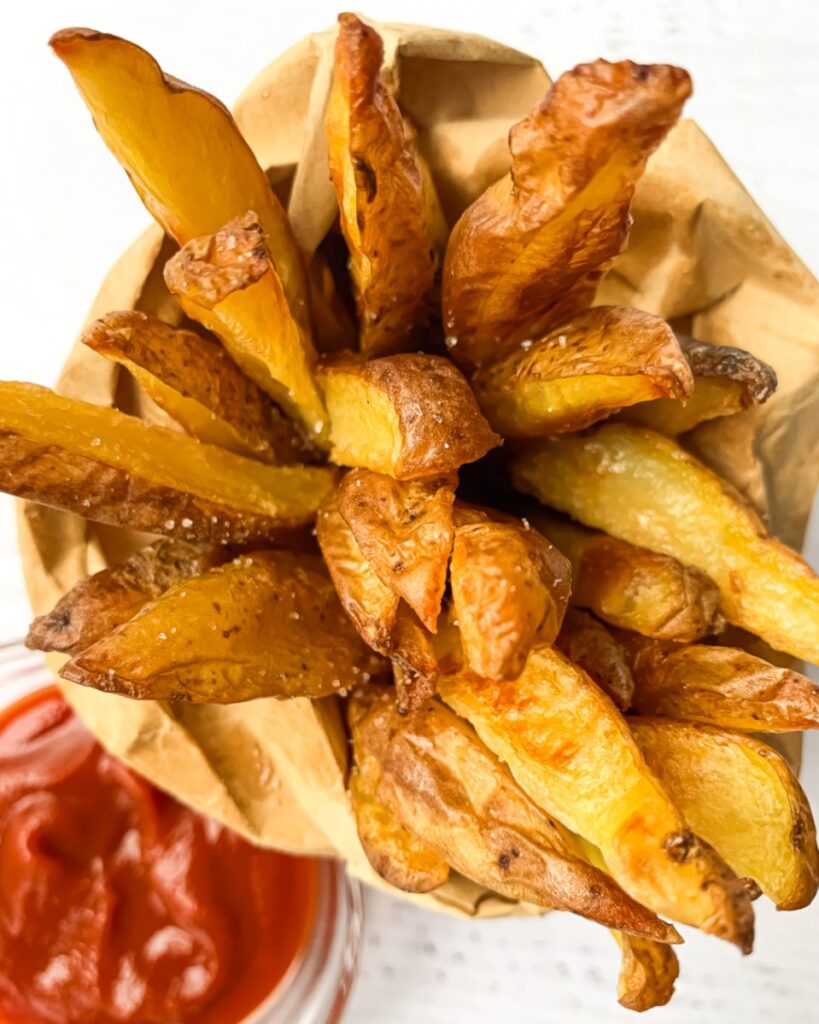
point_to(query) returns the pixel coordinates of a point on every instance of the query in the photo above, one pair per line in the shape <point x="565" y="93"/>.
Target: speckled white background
<point x="66" y="210"/>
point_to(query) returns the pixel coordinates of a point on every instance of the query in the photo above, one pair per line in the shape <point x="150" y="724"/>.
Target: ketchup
<point x="118" y="905"/>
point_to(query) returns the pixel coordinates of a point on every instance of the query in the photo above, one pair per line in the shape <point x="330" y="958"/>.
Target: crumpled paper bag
<point x="701" y="252"/>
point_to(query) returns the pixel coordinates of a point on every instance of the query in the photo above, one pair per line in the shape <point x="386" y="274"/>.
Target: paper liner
<point x="701" y="251"/>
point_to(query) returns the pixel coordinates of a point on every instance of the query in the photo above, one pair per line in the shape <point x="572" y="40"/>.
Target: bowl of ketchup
<point x="119" y="905"/>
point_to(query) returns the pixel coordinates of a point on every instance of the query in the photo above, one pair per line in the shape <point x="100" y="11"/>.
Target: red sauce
<point x="118" y="904"/>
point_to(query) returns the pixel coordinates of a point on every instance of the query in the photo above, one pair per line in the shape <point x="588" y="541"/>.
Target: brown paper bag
<point x="701" y="249"/>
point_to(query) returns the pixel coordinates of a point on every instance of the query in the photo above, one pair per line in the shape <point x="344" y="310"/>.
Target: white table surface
<point x="66" y="210"/>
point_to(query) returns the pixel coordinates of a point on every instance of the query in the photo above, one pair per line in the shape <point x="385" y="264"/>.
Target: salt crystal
<point x="170" y="524"/>
<point x="187" y="523"/>
<point x="96" y="442"/>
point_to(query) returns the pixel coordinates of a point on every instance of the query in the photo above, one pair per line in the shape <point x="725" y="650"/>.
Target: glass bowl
<point x="317" y="986"/>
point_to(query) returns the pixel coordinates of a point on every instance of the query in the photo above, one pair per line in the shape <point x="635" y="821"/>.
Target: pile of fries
<point x="555" y="698"/>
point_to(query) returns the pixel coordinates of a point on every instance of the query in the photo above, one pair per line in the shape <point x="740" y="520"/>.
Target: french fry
<point x="404" y="530"/>
<point x="571" y="751"/>
<point x="447" y="789"/>
<point x="406" y="415"/>
<point x="184" y="154"/>
<point x="586" y="641"/>
<point x="509" y="585"/>
<point x="96" y="605"/>
<point x="194" y="380"/>
<point x="740" y="795"/>
<point x="116" y="469"/>
<point x="601" y="361"/>
<point x="266" y="625"/>
<point x="380" y="191"/>
<point x="632" y="587"/>
<point x="227" y="282"/>
<point x="527" y="255"/>
<point x="719" y="685"/>
<point x="726" y="380"/>
<point x="642" y="487"/>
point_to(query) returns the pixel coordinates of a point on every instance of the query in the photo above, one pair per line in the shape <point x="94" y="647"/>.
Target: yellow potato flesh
<point x="643" y="488"/>
<point x="365" y="429"/>
<point x="740" y="796"/>
<point x="711" y="398"/>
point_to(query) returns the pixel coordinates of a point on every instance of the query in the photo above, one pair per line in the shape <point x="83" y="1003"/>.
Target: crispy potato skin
<point x="380" y="191"/>
<point x="196" y="382"/>
<point x="116" y="469"/>
<point x="719" y="685"/>
<point x="726" y="380"/>
<point x="266" y="625"/>
<point x="600" y="361"/>
<point x="648" y="972"/>
<point x="405" y="531"/>
<point x="528" y="253"/>
<point x="509" y="585"/>
<point x="642" y="487"/>
<point x="448" y="789"/>
<point x="98" y="604"/>
<point x="185" y="155"/>
<point x="406" y="415"/>
<point x="586" y="641"/>
<point x="741" y="796"/>
<point x="397" y="855"/>
<point x="632" y="587"/>
<point x="570" y="749"/>
<point x="227" y="282"/>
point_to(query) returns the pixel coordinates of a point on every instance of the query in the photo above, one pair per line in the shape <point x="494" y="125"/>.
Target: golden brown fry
<point x="740" y="796"/>
<point x="582" y="371"/>
<point x="570" y="749"/>
<point x="527" y="255"/>
<point x="197" y="384"/>
<point x="648" y="972"/>
<point x="632" y="587"/>
<point x="404" y="530"/>
<point x="586" y="641"/>
<point x="382" y="621"/>
<point x="443" y="784"/>
<point x="719" y="685"/>
<point x="184" y="154"/>
<point x="406" y="415"/>
<point x="227" y="282"/>
<point x="509" y="585"/>
<point x="96" y="605"/>
<point x="726" y="380"/>
<point x="266" y="625"/>
<point x="380" y="191"/>
<point x="642" y="487"/>
<point x="114" y="468"/>
<point x="396" y="854"/>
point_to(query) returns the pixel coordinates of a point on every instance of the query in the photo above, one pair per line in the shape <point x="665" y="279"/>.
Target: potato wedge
<point x="449" y="790"/>
<point x="726" y="380"/>
<point x="586" y="641"/>
<point x="582" y="371"/>
<point x="95" y="606"/>
<point x="527" y="254"/>
<point x="642" y="487"/>
<point x="382" y="621"/>
<point x="184" y="154"/>
<point x="405" y="415"/>
<point x="380" y="191"/>
<point x="571" y="751"/>
<point x="648" y="972"/>
<point x="114" y="468"/>
<point x="396" y="854"/>
<point x="740" y="796"/>
<point x="405" y="531"/>
<point x="719" y="685"/>
<point x="509" y="585"/>
<point x="632" y="587"/>
<point x="266" y="625"/>
<point x="227" y="282"/>
<point x="196" y="383"/>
